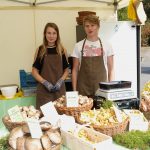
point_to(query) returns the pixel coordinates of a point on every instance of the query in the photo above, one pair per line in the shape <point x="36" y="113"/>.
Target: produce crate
<point x="74" y="142"/>
<point x="26" y="79"/>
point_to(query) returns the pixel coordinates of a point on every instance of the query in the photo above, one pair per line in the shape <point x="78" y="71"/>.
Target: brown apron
<point x="52" y="71"/>
<point x="92" y="71"/>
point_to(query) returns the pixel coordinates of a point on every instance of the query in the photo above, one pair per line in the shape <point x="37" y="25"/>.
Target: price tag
<point x="72" y="99"/>
<point x="118" y="114"/>
<point x="50" y="112"/>
<point x="137" y="123"/>
<point x="15" y="114"/>
<point x="67" y="123"/>
<point x="34" y="128"/>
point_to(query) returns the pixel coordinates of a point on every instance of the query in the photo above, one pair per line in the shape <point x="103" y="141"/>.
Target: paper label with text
<point x="34" y="128"/>
<point x="118" y="114"/>
<point x="15" y="114"/>
<point x="72" y="99"/>
<point x="50" y="112"/>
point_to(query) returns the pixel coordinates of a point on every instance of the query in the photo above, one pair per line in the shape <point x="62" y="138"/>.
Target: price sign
<point x="72" y="99"/>
<point x="50" y="112"/>
<point x="15" y="114"/>
<point x="67" y="123"/>
<point x="118" y="114"/>
<point x="34" y="128"/>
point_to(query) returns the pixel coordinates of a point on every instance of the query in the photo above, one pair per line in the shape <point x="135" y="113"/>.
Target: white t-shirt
<point x="92" y="49"/>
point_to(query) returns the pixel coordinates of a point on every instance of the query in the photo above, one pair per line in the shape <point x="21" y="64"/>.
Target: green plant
<point x="122" y="14"/>
<point x="145" y="34"/>
<point x="134" y="140"/>
<point x="4" y="143"/>
<point x="107" y="104"/>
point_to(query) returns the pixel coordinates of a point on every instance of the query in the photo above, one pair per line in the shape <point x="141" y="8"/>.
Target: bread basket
<point x="9" y="124"/>
<point x="74" y="111"/>
<point x="110" y="129"/>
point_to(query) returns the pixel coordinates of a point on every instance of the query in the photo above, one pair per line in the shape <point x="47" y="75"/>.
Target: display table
<point x="26" y="101"/>
<point x="113" y="146"/>
<point x="20" y="101"/>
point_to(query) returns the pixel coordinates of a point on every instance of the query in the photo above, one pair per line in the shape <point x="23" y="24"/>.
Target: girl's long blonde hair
<point x="59" y="47"/>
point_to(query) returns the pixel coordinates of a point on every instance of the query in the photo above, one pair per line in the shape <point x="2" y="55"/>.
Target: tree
<point x="122" y="14"/>
<point x="145" y="34"/>
<point x="146" y="4"/>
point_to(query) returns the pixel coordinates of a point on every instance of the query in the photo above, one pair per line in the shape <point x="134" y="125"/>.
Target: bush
<point x="145" y="34"/>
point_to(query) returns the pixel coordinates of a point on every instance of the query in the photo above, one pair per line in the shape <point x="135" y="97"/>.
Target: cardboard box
<point x="74" y="142"/>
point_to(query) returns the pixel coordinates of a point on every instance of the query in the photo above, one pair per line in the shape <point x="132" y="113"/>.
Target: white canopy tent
<point x="22" y="23"/>
<point x="118" y="3"/>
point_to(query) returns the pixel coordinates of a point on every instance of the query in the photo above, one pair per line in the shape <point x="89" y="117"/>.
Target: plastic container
<point x="26" y="79"/>
<point x="9" y="92"/>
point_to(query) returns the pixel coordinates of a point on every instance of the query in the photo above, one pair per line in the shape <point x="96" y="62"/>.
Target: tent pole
<point x="138" y="29"/>
<point x="115" y="9"/>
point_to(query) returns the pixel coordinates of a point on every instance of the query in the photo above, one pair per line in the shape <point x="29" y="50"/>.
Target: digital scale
<point x="119" y="92"/>
<point x="114" y="95"/>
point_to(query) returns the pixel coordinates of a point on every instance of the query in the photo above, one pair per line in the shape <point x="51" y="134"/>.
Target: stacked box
<point x="27" y="83"/>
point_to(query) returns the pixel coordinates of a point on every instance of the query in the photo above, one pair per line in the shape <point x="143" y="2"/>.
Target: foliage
<point x="146" y="4"/>
<point x="122" y="14"/>
<point x="4" y="143"/>
<point x="145" y="34"/>
<point x="145" y="30"/>
<point x="134" y="140"/>
<point x="107" y="104"/>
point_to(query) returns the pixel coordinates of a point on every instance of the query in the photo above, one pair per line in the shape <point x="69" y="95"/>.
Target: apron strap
<point x="83" y="47"/>
<point x="101" y="46"/>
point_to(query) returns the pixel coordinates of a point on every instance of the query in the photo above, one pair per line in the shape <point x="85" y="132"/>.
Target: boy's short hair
<point x="92" y="19"/>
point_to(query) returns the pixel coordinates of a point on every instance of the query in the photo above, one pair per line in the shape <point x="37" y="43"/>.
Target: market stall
<point x="54" y="127"/>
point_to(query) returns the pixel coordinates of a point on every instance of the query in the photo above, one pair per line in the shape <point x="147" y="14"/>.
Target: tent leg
<point x="138" y="30"/>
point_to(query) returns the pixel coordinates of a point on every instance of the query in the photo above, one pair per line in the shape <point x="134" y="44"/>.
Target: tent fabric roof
<point x="66" y="3"/>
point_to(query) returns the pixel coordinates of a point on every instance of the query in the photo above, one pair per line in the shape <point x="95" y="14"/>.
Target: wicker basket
<point x="110" y="130"/>
<point x="146" y="115"/>
<point x="74" y="111"/>
<point x="9" y="124"/>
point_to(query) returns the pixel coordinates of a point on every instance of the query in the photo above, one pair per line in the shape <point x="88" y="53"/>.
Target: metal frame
<point x="138" y="31"/>
<point x="35" y="3"/>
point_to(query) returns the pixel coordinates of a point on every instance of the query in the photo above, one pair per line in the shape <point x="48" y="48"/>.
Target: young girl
<point x="50" y="67"/>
